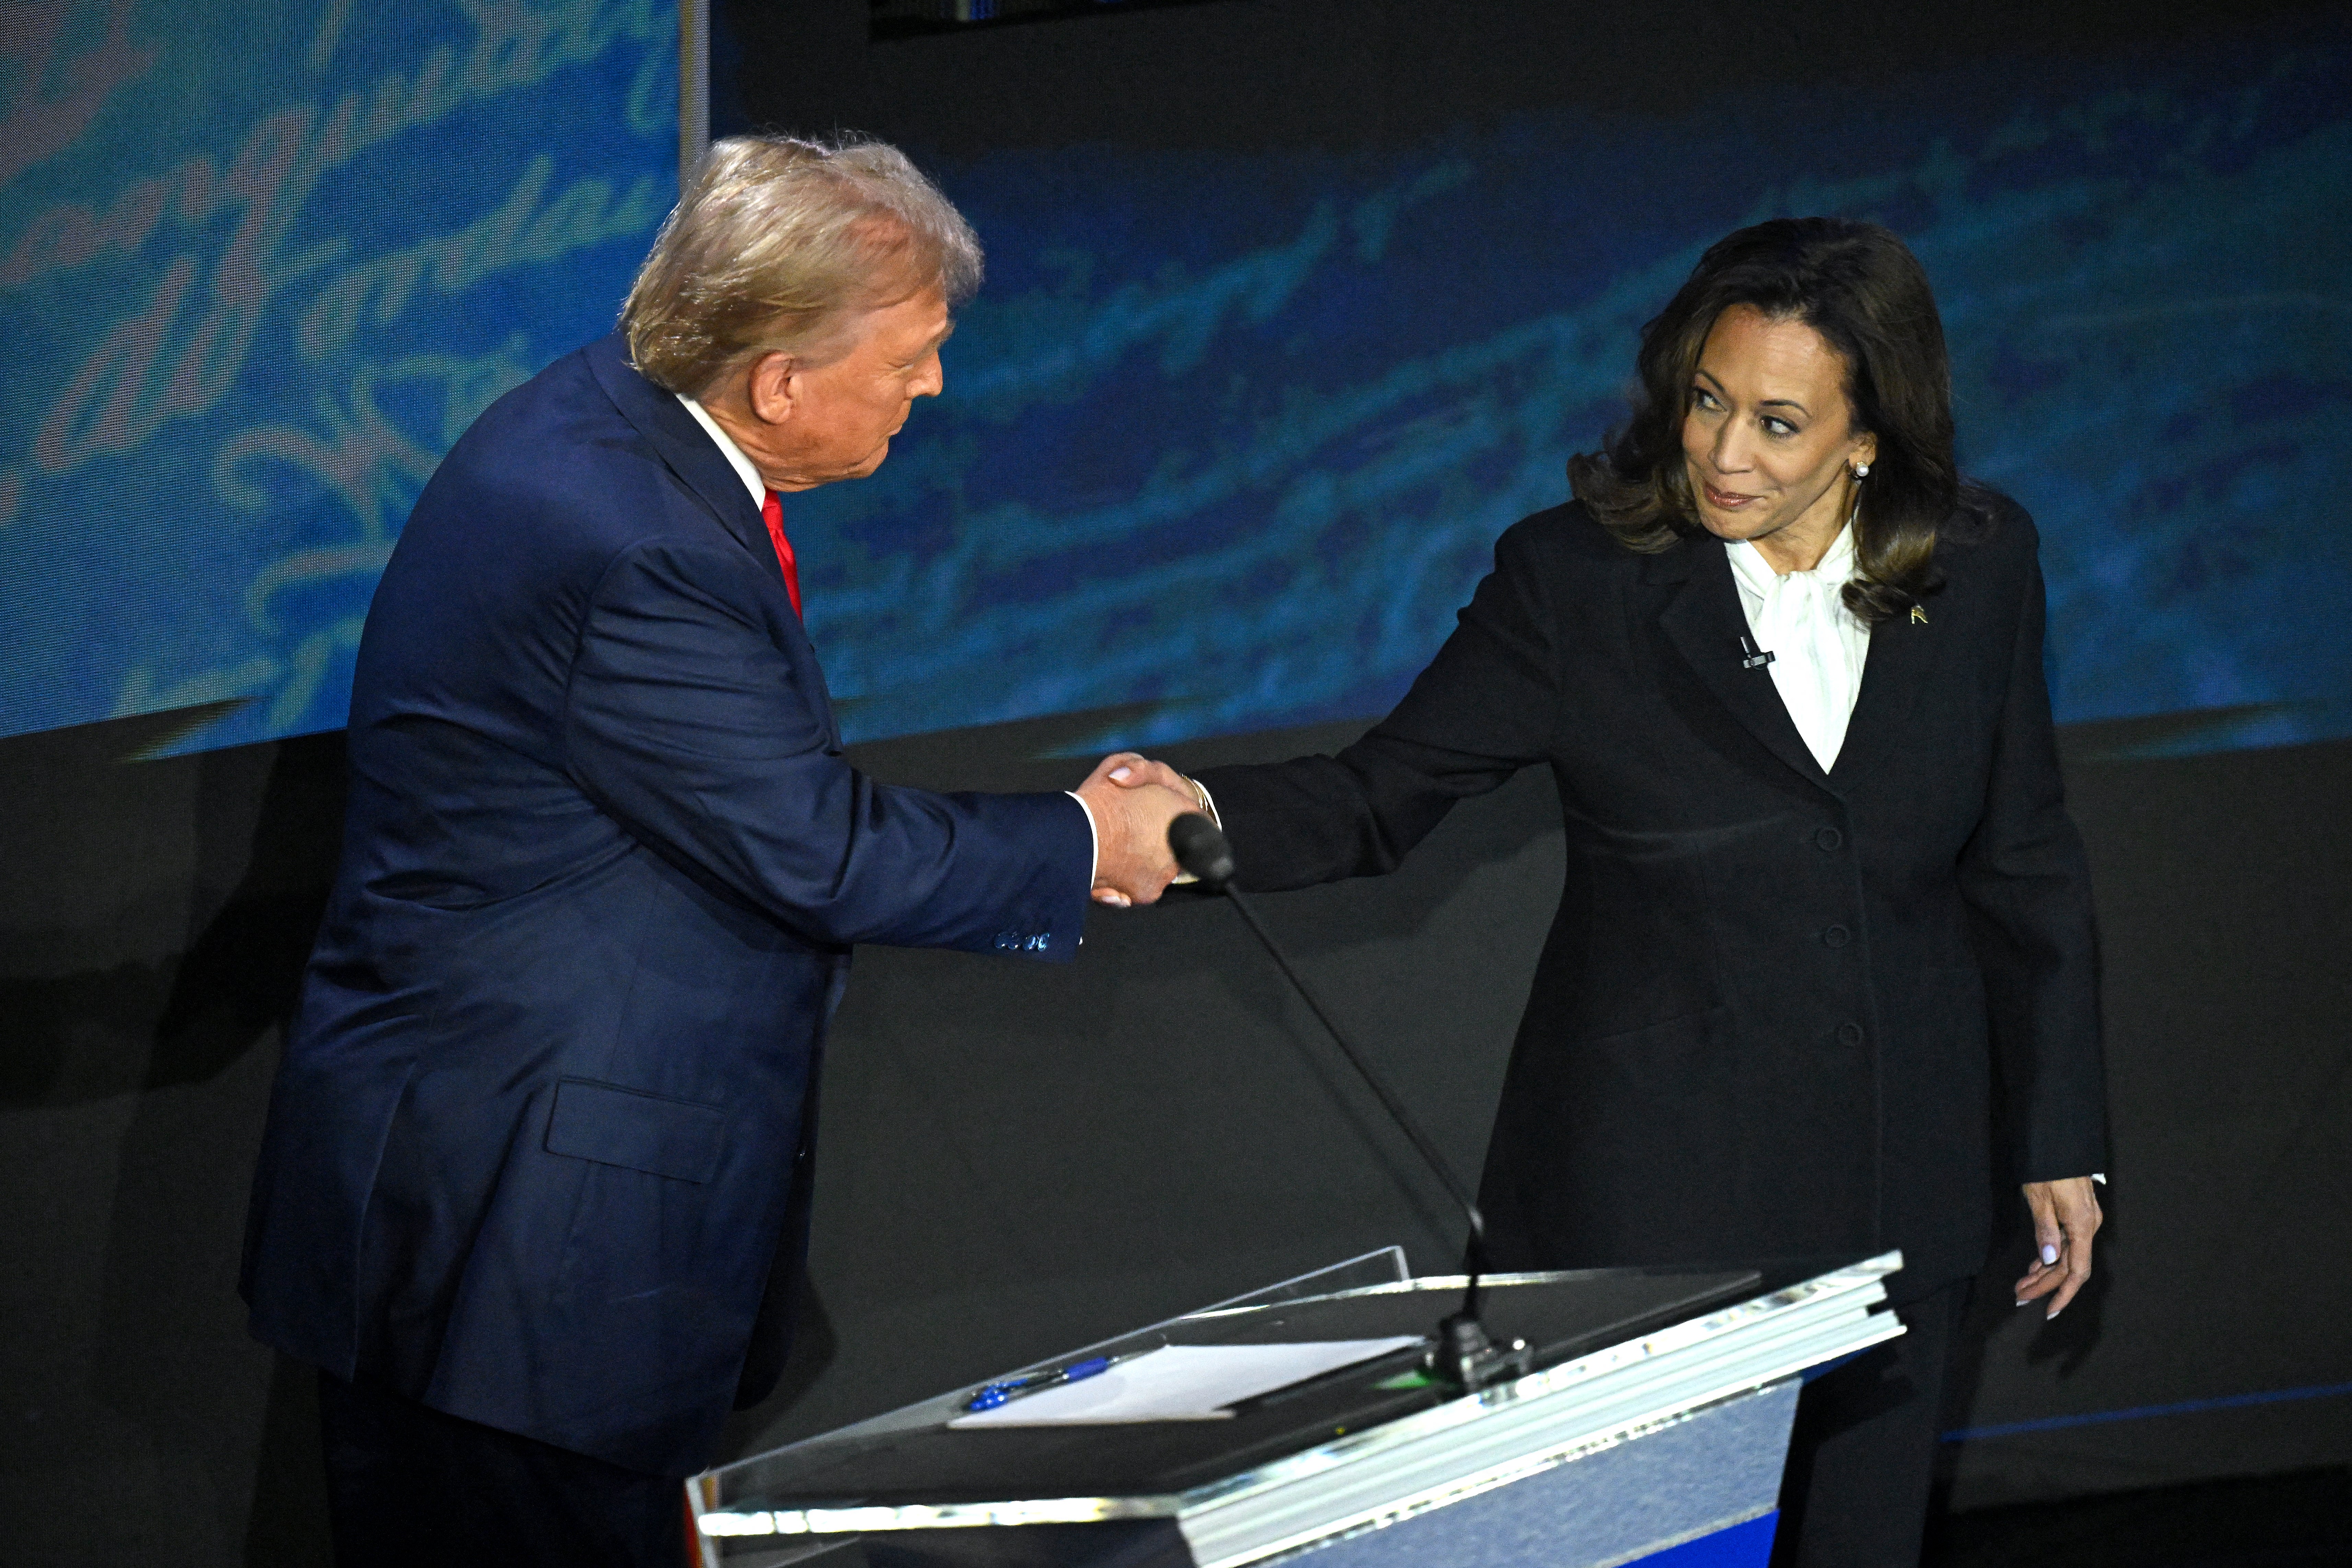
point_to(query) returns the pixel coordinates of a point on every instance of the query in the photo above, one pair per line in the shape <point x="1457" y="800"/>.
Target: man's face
<point x="843" y="412"/>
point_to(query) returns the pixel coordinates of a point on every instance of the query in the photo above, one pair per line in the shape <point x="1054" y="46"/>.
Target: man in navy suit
<point x="537" y="1157"/>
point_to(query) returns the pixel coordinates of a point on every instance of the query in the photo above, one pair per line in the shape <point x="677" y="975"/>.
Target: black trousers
<point x="1862" y="1454"/>
<point x="409" y="1487"/>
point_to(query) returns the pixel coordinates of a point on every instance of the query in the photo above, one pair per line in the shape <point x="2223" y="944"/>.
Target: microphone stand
<point x="1464" y="1355"/>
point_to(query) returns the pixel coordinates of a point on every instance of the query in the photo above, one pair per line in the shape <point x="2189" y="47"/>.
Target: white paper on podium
<point x="1181" y="1383"/>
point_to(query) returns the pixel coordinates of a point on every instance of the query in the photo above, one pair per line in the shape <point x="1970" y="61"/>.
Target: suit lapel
<point x="1902" y="658"/>
<point x="689" y="453"/>
<point x="683" y="445"/>
<point x="1704" y="622"/>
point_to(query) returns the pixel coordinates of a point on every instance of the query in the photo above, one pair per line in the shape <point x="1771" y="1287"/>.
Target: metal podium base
<point x="1708" y="1480"/>
<point x="1653" y="1431"/>
<point x="1696" y="1491"/>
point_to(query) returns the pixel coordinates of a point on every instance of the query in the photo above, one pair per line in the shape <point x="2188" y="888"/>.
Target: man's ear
<point x="774" y="388"/>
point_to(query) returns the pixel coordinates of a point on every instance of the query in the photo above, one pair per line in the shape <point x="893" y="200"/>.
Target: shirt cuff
<point x="1093" y="838"/>
<point x="1206" y="799"/>
<point x="1207" y="802"/>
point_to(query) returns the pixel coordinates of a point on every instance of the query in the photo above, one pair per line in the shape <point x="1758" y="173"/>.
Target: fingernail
<point x="1120" y="773"/>
<point x="2049" y="1255"/>
<point x="2021" y="1301"/>
<point x="2054" y="1314"/>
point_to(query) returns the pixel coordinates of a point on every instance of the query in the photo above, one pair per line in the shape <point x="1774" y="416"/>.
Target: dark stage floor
<point x="2300" y="1520"/>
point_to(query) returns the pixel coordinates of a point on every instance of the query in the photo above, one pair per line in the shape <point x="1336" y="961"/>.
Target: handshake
<point x="1132" y="800"/>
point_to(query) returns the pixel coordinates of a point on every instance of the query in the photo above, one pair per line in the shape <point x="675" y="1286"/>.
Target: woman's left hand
<point x="2065" y="1216"/>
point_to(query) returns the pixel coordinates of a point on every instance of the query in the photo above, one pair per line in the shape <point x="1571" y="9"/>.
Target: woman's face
<point x="1768" y="435"/>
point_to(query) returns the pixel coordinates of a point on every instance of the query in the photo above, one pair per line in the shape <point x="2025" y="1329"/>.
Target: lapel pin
<point x="1918" y="616"/>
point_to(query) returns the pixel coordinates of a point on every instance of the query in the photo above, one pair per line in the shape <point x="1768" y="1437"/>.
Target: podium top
<point x="1670" y="1337"/>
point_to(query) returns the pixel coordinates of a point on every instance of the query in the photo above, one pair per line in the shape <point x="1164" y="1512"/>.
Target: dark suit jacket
<point x="533" y="1143"/>
<point x="1775" y="1002"/>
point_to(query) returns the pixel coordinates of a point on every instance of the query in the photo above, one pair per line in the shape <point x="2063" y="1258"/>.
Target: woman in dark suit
<point x="1824" y="907"/>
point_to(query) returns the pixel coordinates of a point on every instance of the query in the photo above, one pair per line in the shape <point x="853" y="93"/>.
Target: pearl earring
<point x="1861" y="470"/>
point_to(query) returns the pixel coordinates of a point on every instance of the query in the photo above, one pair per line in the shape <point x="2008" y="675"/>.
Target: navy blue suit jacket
<point x="533" y="1144"/>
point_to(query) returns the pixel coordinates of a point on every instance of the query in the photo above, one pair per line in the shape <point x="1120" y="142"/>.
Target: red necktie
<point x="774" y="513"/>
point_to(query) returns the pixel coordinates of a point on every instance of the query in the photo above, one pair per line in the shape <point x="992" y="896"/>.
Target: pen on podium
<point x="995" y="1393"/>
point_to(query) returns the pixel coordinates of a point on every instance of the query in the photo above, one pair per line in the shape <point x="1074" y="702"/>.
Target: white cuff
<point x="1208" y="802"/>
<point x="1093" y="838"/>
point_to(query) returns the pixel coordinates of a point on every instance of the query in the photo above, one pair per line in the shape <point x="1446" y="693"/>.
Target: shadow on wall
<point x="262" y="859"/>
<point x="151" y="942"/>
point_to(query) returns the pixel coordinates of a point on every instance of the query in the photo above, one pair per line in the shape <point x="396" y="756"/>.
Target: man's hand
<point x="2065" y="1216"/>
<point x="1132" y="809"/>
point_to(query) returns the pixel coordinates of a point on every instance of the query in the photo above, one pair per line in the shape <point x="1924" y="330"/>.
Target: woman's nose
<point x="1729" y="452"/>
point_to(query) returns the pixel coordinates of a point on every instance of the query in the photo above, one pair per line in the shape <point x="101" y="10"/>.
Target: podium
<point x="1651" y="1430"/>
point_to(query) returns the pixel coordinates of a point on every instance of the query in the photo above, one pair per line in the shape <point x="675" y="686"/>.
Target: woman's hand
<point x="2065" y="1216"/>
<point x="1130" y="770"/>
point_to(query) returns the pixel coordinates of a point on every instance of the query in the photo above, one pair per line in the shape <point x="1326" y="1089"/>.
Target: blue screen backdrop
<point x="1227" y="438"/>
<point x="259" y="264"/>
<point x="1233" y="435"/>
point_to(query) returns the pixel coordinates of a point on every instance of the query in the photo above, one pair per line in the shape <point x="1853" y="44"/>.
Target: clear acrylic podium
<point x="1651" y="1430"/>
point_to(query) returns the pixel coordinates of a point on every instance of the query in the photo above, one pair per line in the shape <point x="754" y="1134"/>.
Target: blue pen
<point x="996" y="1394"/>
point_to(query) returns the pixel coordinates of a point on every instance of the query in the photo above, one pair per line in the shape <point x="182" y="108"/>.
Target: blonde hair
<point x="776" y="243"/>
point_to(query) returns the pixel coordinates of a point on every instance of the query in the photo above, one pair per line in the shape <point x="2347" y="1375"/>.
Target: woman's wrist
<point x="1201" y="794"/>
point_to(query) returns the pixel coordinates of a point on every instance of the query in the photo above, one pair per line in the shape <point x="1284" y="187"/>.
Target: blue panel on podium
<point x="1747" y="1545"/>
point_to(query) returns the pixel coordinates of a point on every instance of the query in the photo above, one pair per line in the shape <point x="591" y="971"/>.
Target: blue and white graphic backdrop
<point x="259" y="264"/>
<point x="1226" y="438"/>
<point x="1233" y="437"/>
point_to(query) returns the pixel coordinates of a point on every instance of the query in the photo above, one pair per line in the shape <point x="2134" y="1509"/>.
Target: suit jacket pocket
<point x="627" y="1127"/>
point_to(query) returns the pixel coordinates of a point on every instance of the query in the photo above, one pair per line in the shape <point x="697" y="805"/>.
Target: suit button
<point x="1828" y="838"/>
<point x="1849" y="1034"/>
<point x="1836" y="936"/>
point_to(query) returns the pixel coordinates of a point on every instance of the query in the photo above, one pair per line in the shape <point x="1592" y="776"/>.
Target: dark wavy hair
<point x="1859" y="287"/>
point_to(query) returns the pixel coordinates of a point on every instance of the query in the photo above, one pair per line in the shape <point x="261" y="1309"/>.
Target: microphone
<point x="1464" y="1355"/>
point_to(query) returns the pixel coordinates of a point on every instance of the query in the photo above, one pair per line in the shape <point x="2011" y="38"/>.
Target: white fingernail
<point x="2054" y="1314"/>
<point x="2049" y="1255"/>
<point x="1121" y="772"/>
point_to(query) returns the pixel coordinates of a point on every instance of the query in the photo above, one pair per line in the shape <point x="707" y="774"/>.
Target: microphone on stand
<point x="1464" y="1355"/>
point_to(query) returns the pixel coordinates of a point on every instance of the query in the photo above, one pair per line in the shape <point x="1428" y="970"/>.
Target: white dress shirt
<point x="1818" y="646"/>
<point x="745" y="469"/>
